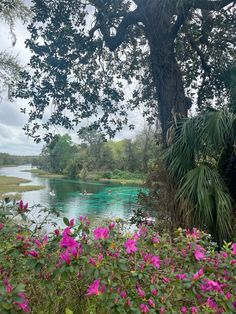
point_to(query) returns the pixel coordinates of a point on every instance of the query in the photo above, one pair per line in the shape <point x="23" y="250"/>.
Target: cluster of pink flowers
<point x="73" y="249"/>
<point x="130" y="246"/>
<point x="101" y="233"/>
<point x="23" y="304"/>
<point x="95" y="288"/>
<point x="140" y="272"/>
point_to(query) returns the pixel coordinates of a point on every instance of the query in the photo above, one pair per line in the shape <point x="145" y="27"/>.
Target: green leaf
<point x="66" y="221"/>
<point x="19" y="288"/>
<point x="68" y="311"/>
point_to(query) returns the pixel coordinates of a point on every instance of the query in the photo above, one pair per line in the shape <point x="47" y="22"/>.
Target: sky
<point x="12" y="138"/>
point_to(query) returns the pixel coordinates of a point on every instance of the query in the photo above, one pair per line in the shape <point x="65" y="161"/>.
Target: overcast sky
<point x="12" y="137"/>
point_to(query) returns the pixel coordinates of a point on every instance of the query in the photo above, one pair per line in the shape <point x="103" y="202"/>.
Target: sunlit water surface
<point x="102" y="200"/>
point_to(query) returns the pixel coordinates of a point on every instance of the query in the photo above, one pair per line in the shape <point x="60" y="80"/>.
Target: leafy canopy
<point x="91" y="59"/>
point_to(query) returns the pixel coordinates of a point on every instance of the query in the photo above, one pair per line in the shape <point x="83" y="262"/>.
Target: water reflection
<point x="102" y="200"/>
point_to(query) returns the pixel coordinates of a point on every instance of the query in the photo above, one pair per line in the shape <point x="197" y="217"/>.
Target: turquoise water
<point x="102" y="200"/>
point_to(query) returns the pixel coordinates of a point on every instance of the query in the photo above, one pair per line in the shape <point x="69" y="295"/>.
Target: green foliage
<point x="193" y="160"/>
<point x="7" y="159"/>
<point x="108" y="270"/>
<point x="57" y="154"/>
<point x="120" y="159"/>
<point x="10" y="12"/>
<point x="119" y="174"/>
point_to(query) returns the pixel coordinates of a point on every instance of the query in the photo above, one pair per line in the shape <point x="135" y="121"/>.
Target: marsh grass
<point x="13" y="184"/>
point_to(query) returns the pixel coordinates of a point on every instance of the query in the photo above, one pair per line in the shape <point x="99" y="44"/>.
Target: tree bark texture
<point x="167" y="77"/>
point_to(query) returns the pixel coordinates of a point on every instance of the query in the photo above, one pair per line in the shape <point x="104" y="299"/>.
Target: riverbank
<point x="45" y="174"/>
<point x="92" y="176"/>
<point x="13" y="185"/>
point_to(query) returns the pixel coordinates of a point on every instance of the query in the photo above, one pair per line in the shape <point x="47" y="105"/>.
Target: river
<point x="102" y="200"/>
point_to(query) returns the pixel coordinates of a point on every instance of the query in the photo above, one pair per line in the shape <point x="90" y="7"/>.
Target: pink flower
<point x="194" y="310"/>
<point x="211" y="285"/>
<point x="165" y="280"/>
<point x="183" y="310"/>
<point x="33" y="253"/>
<point x="71" y="222"/>
<point x="151" y="303"/>
<point x="140" y="292"/>
<point x="144" y="308"/>
<point x="65" y="256"/>
<point x="123" y="294"/>
<point x="66" y="231"/>
<point x="130" y="246"/>
<point x="101" y="233"/>
<point x="24" y="304"/>
<point x="142" y="230"/>
<point x="199" y="253"/>
<point x="39" y="244"/>
<point x="112" y="225"/>
<point x="156" y="262"/>
<point x="154" y="292"/>
<point x="198" y="274"/>
<point x="96" y="262"/>
<point x="20" y="205"/>
<point x="93" y="289"/>
<point x="181" y="276"/>
<point x="234" y="249"/>
<point x="56" y="232"/>
<point x="155" y="240"/>
<point x="8" y="286"/>
<point x="1" y="226"/>
<point x="228" y="295"/>
<point x="183" y="253"/>
<point x="82" y="218"/>
<point x="211" y="304"/>
<point x="68" y="242"/>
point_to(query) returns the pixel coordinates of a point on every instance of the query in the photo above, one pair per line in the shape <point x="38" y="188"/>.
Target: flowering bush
<point x="108" y="270"/>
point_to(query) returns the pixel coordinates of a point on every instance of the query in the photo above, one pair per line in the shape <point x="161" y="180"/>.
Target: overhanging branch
<point x="210" y="5"/>
<point x="112" y="42"/>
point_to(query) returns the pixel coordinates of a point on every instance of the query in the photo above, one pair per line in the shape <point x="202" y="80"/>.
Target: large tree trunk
<point x="166" y="73"/>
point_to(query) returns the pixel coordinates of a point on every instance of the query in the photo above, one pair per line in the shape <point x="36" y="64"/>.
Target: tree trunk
<point x="165" y="70"/>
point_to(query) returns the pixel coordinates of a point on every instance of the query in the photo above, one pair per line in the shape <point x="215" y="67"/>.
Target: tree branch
<point x="206" y="68"/>
<point x="112" y="42"/>
<point x="210" y="5"/>
<point x="179" y="22"/>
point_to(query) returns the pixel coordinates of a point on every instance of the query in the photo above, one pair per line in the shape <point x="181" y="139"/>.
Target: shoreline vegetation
<point x="90" y="177"/>
<point x="12" y="187"/>
<point x="45" y="174"/>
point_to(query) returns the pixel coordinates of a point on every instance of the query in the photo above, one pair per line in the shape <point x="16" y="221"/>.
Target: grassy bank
<point x="45" y="174"/>
<point x="122" y="181"/>
<point x="12" y="185"/>
<point x="94" y="176"/>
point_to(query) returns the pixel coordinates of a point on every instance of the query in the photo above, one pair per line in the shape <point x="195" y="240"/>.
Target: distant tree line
<point x="122" y="158"/>
<point x="7" y="159"/>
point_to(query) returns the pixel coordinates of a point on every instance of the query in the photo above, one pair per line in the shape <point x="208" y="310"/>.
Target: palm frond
<point x="192" y="161"/>
<point x="208" y="200"/>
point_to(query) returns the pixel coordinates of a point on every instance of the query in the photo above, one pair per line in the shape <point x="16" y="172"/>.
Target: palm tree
<point x="197" y="162"/>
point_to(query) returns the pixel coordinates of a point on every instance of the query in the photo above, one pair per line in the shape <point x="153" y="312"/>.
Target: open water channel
<point x="102" y="200"/>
